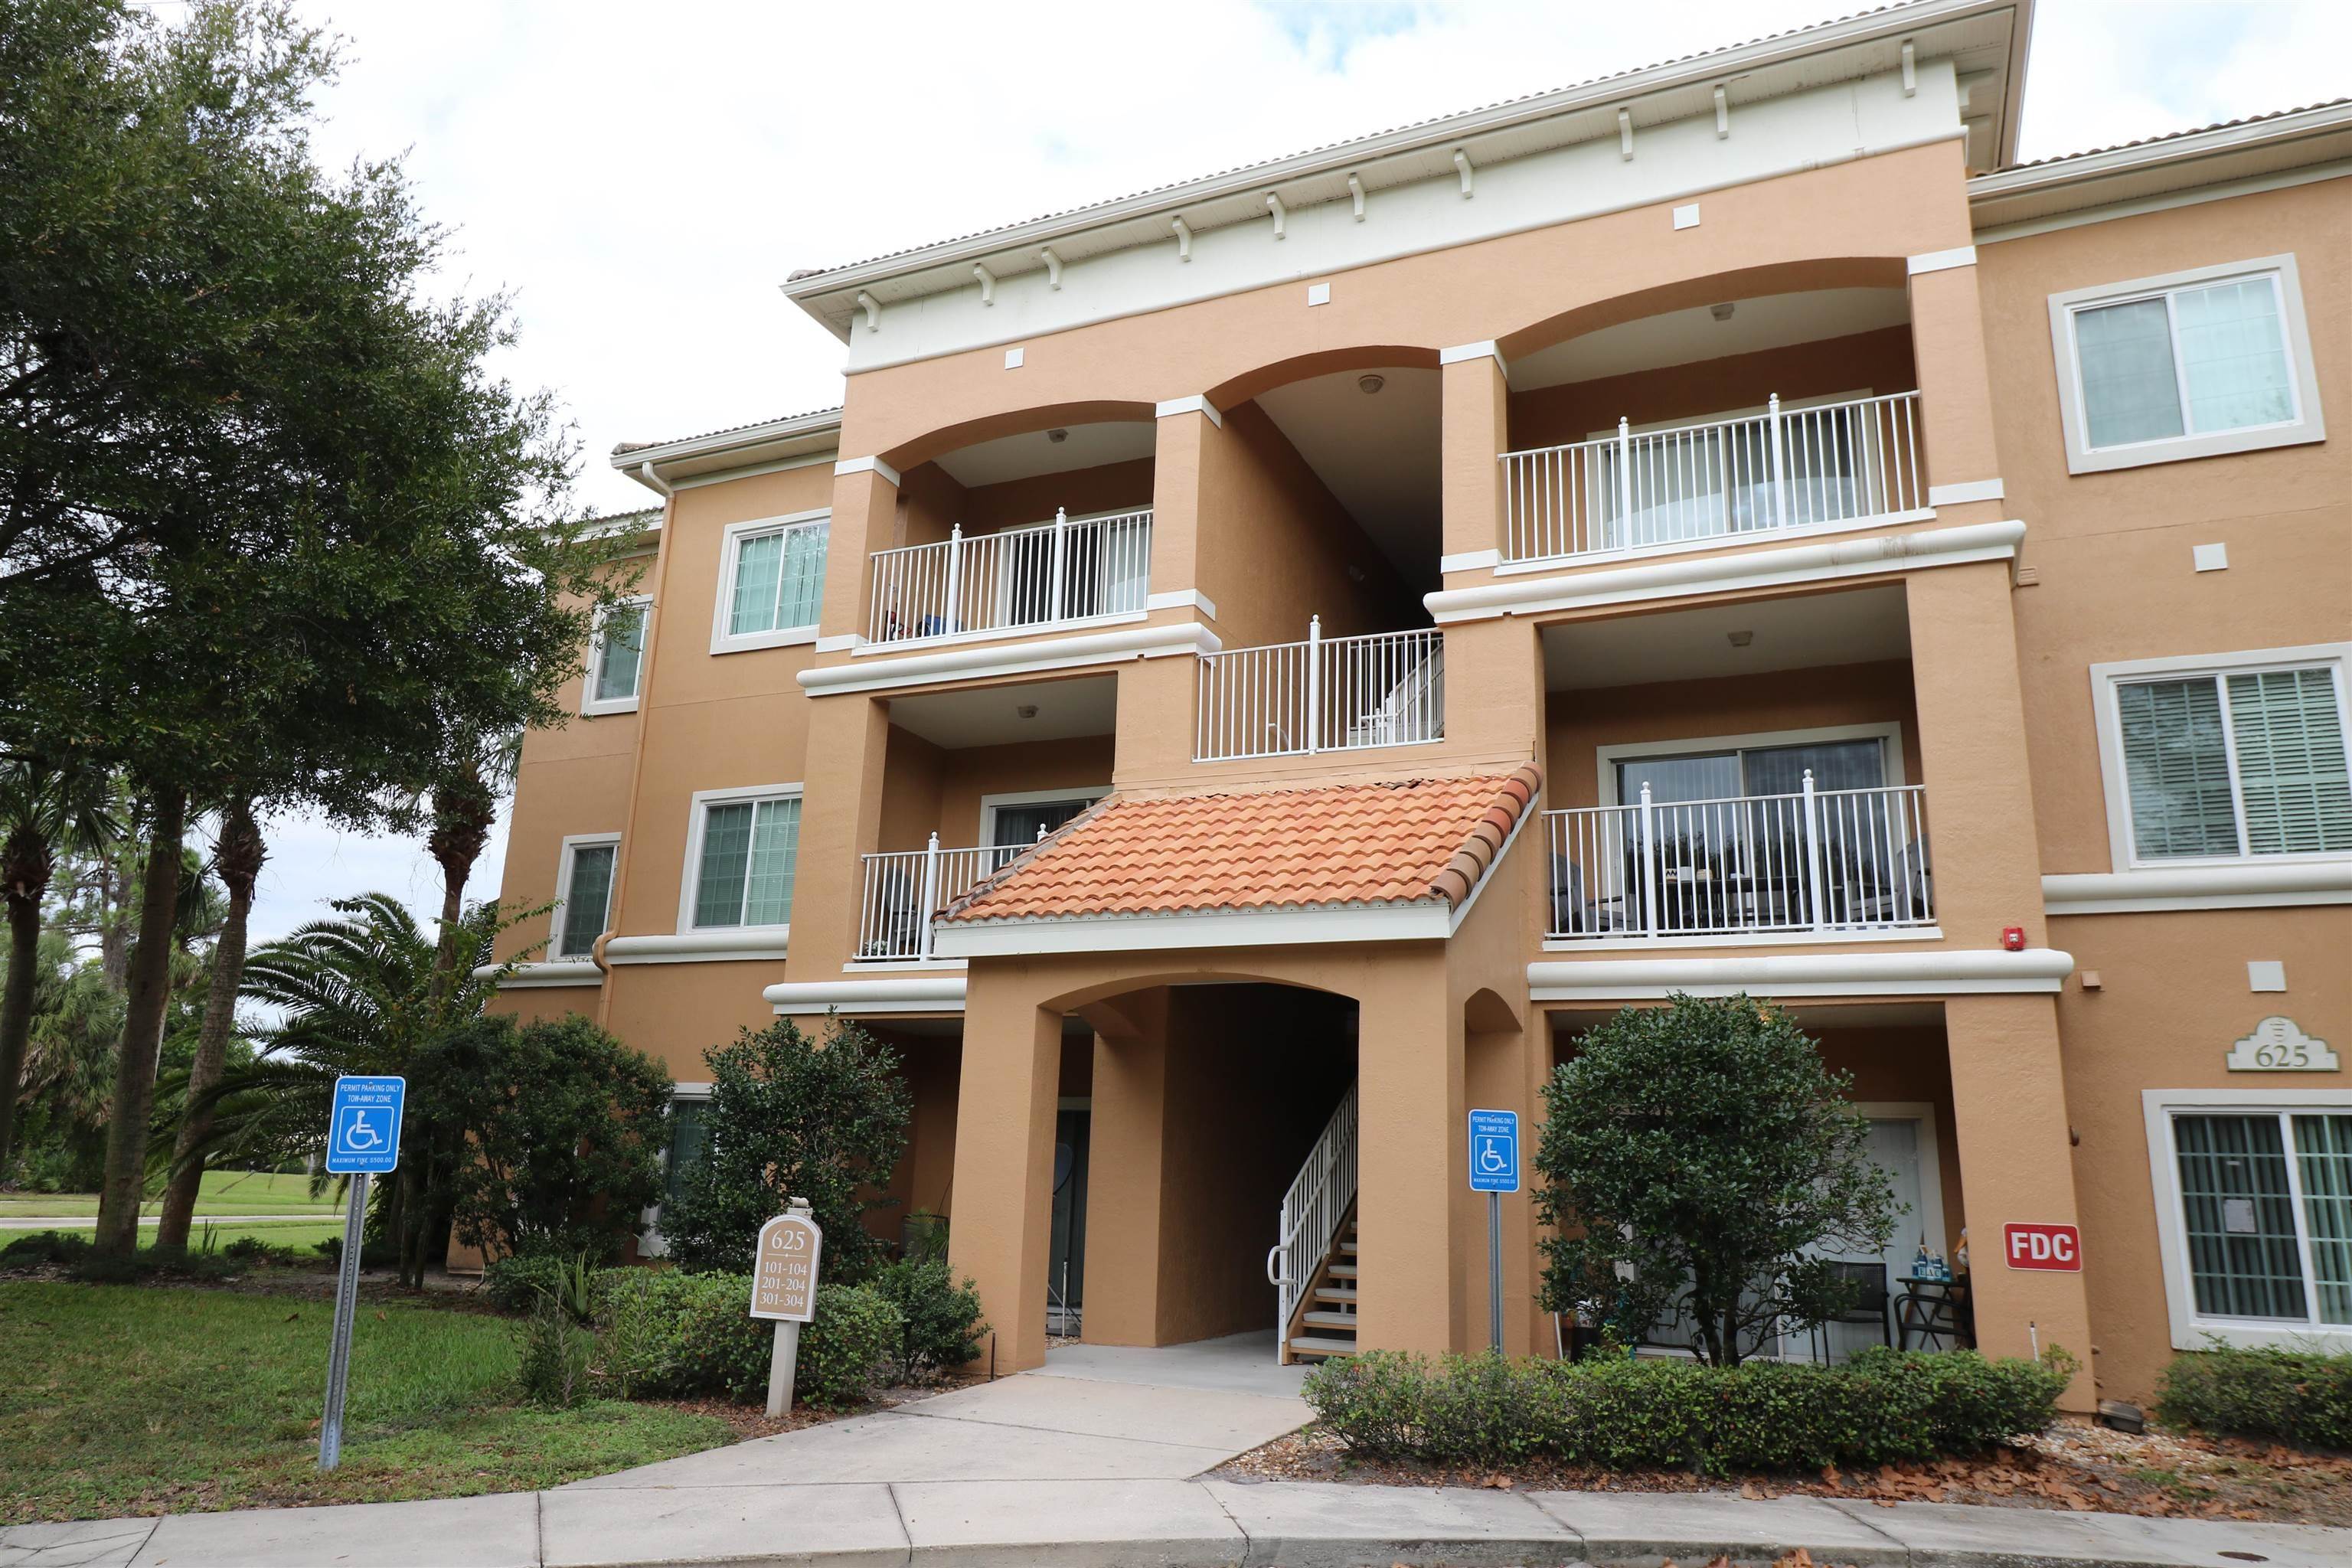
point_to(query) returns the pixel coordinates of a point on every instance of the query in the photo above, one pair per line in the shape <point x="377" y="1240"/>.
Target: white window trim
<point x="2116" y="782"/>
<point x="590" y="705"/>
<point x="729" y="547"/>
<point x="690" y="874"/>
<point x="989" y="802"/>
<point x="2308" y="425"/>
<point x="573" y="841"/>
<point x="1606" y="758"/>
<point x="649" y="1236"/>
<point x="2191" y="1331"/>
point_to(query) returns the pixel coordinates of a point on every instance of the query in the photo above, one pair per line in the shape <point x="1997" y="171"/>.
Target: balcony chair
<point x="1872" y="1309"/>
<point x="897" y="922"/>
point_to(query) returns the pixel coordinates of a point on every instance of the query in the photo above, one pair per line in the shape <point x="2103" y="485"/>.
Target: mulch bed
<point x="2074" y="1466"/>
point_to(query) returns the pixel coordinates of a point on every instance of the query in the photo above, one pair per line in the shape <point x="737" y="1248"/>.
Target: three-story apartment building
<point x="1255" y="669"/>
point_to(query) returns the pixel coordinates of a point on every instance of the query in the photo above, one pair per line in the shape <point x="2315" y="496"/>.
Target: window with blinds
<point x="587" y="899"/>
<point x="777" y="579"/>
<point x="744" y="874"/>
<point x="620" y="653"/>
<point x="2240" y="764"/>
<point x="2266" y="1213"/>
<point x="2185" y="362"/>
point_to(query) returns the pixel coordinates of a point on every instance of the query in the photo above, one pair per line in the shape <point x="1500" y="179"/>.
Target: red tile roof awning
<point x="1413" y="841"/>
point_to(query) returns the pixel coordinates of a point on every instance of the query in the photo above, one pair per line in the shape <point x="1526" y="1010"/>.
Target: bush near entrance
<point x="1880" y="1408"/>
<point x="668" y="1332"/>
<point x="2302" y="1398"/>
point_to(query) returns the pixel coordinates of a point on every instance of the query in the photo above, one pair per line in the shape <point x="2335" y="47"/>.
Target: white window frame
<point x="2302" y="379"/>
<point x="690" y="875"/>
<point x="650" y="1243"/>
<point x="2192" y="1330"/>
<point x="2105" y="678"/>
<point x="590" y="705"/>
<point x="731" y="549"/>
<point x="572" y="842"/>
<point x="1889" y="734"/>
<point x="989" y="802"/>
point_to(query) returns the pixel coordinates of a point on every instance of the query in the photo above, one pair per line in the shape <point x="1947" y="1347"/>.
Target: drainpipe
<point x="637" y="758"/>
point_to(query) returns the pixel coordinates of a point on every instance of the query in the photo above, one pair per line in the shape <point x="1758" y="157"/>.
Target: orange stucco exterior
<point x="1204" y="1087"/>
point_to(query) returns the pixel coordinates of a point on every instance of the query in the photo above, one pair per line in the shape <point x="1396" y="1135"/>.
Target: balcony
<point x="906" y="889"/>
<point x="1828" y="865"/>
<point x="1324" y="694"/>
<point x="1046" y="576"/>
<point x="1833" y="463"/>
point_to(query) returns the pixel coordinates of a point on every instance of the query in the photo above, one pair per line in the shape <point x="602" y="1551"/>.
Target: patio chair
<point x="1870" y="1308"/>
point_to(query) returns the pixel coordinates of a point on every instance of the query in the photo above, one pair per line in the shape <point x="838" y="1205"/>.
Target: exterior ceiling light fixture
<point x="1369" y="383"/>
<point x="1057" y="437"/>
<point x="1722" y="313"/>
<point x="1026" y="710"/>
<point x="1740" y="639"/>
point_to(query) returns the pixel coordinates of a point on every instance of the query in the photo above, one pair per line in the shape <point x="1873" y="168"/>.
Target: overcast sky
<point x="643" y="177"/>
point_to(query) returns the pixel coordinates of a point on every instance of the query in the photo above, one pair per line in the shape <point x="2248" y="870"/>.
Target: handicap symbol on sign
<point x="360" y="1135"/>
<point x="1492" y="1156"/>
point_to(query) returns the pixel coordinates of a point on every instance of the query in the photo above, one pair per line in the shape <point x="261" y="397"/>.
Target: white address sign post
<point x="784" y="1289"/>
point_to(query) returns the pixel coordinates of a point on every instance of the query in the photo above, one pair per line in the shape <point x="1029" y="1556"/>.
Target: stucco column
<point x="1980" y="813"/>
<point x="1125" y="1188"/>
<point x="1948" y="349"/>
<point x="840" y="819"/>
<point x="1497" y="1076"/>
<point x="1002" y="1237"/>
<point x="1475" y="431"/>
<point x="2009" y="1107"/>
<point x="1186" y="454"/>
<point x="1411" y="1145"/>
<point x="865" y="520"/>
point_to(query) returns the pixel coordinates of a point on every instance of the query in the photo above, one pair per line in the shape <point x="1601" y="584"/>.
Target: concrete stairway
<point x="1325" y="1324"/>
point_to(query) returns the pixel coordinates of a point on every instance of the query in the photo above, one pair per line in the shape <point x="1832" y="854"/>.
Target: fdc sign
<point x="2057" y="1248"/>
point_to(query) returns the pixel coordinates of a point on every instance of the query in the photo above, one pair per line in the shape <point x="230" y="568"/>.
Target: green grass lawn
<point x="221" y="1191"/>
<point x="295" y="1231"/>
<point x="140" y="1400"/>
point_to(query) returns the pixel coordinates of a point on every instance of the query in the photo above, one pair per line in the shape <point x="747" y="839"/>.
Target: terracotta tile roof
<point x="1412" y="841"/>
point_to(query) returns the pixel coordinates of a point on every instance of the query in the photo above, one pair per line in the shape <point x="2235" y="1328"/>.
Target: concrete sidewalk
<point x="1157" y="1521"/>
<point x="1097" y="1458"/>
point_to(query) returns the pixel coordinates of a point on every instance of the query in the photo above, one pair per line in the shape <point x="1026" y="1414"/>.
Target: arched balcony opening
<point x="1706" y="413"/>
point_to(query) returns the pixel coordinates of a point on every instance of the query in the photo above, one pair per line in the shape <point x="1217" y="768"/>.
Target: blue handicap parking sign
<point x="1494" y="1150"/>
<point x="363" y="1129"/>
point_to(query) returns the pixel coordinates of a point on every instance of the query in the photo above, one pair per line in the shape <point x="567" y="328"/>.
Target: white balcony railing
<point x="1052" y="574"/>
<point x="1832" y="862"/>
<point x="1786" y="467"/>
<point x="1326" y="694"/>
<point x="906" y="889"/>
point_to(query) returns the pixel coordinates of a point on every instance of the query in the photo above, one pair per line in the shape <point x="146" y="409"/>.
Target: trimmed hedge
<point x="2303" y="1397"/>
<point x="943" y="1327"/>
<point x="666" y="1332"/>
<point x="1880" y="1408"/>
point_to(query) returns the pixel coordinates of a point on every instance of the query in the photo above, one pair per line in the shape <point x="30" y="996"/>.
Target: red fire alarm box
<point x="2013" y="938"/>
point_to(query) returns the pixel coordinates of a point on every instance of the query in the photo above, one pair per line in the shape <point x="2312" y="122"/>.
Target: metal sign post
<point x="362" y="1140"/>
<point x="783" y="1287"/>
<point x="1494" y="1171"/>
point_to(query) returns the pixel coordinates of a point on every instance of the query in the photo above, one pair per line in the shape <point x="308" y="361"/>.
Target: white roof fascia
<point x="1889" y="25"/>
<point x="2153" y="154"/>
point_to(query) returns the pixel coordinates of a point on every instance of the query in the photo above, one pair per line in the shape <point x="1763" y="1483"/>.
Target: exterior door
<point x="1065" y="1274"/>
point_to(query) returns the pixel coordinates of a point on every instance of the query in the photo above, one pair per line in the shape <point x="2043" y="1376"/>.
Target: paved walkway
<point x="1096" y="1459"/>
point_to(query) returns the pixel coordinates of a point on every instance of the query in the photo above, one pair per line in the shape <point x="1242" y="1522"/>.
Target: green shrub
<point x="553" y="1356"/>
<point x="43" y="1248"/>
<point x="668" y="1332"/>
<point x="2303" y="1397"/>
<point x="848" y="1349"/>
<point x="518" y="1284"/>
<point x="942" y="1319"/>
<point x="1880" y="1408"/>
<point x="251" y="1250"/>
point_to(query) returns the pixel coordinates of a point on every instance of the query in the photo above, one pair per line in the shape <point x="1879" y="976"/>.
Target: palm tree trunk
<point x="142" y="1029"/>
<point x="238" y="857"/>
<point x="465" y="808"/>
<point x="16" y="1011"/>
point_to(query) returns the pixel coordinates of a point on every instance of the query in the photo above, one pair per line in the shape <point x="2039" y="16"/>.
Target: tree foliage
<point x="1697" y="1160"/>
<point x="563" y="1130"/>
<point x="793" y="1117"/>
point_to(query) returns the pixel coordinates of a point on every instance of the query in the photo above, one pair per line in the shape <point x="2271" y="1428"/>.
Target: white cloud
<point x="644" y="177"/>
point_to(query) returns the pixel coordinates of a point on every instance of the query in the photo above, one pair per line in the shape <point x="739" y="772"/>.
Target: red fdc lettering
<point x="2057" y="1247"/>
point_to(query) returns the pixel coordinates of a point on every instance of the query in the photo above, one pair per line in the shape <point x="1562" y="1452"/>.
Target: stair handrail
<point x="1311" y="1210"/>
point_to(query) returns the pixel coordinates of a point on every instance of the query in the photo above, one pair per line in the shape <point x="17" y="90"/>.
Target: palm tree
<point x="465" y="809"/>
<point x="237" y="855"/>
<point x="47" y="809"/>
<point x="362" y="994"/>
